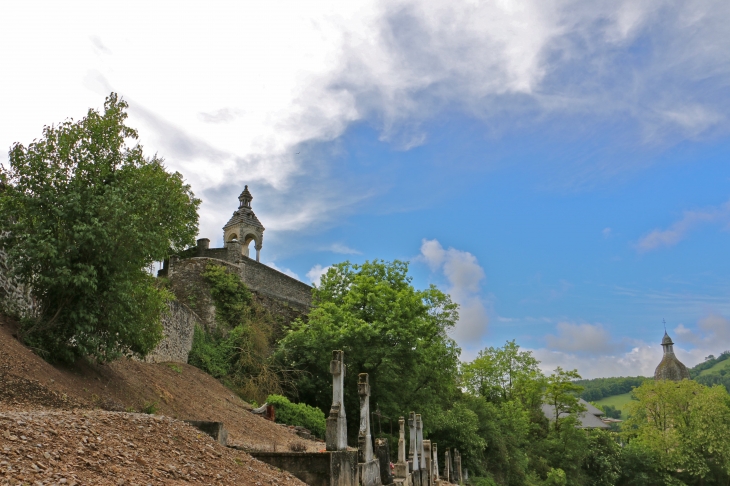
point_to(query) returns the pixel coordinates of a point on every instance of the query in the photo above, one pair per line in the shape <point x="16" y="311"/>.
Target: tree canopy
<point x="85" y="214"/>
<point x="386" y="328"/>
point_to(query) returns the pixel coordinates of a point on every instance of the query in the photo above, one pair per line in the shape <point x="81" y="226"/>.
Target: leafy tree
<point x="502" y="374"/>
<point x="561" y="393"/>
<point x="602" y="465"/>
<point x="687" y="426"/>
<point x="386" y="328"/>
<point x="86" y="214"/>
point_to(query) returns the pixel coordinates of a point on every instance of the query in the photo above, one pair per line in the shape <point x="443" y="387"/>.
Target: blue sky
<point x="559" y="167"/>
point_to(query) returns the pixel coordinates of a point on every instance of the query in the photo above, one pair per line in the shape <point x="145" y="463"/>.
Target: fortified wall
<point x="284" y="296"/>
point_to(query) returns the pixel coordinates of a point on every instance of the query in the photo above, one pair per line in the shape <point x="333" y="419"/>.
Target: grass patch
<point x="717" y="368"/>
<point x="616" y="401"/>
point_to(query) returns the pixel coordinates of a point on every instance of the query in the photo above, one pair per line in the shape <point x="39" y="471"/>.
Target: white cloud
<point x="464" y="274"/>
<point x="315" y="274"/>
<point x="343" y="249"/>
<point x="229" y="93"/>
<point x="679" y="229"/>
<point x="285" y="271"/>
<point x="606" y="232"/>
<point x="580" y="338"/>
<point x="580" y="347"/>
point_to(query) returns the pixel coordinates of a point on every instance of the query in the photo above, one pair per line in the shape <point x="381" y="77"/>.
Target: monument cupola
<point x="244" y="227"/>
<point x="670" y="367"/>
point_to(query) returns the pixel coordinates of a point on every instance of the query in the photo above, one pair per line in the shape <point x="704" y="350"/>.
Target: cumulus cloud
<point x="581" y="338"/>
<point x="241" y="93"/>
<point x="315" y="274"/>
<point x="464" y="275"/>
<point x="680" y="229"/>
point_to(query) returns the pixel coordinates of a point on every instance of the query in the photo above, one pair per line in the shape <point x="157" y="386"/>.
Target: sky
<point x="559" y="167"/>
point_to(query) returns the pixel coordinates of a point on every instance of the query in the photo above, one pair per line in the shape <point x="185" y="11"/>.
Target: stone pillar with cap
<point x="447" y="466"/>
<point x="434" y="463"/>
<point x="364" y="439"/>
<point x="401" y="467"/>
<point x="426" y="474"/>
<point x="457" y="466"/>
<point x="336" y="432"/>
<point x="413" y="441"/>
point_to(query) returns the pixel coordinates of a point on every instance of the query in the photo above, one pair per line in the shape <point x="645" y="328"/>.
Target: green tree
<point x="561" y="393"/>
<point x="686" y="425"/>
<point x="386" y="328"/>
<point x="85" y="216"/>
<point x="502" y="374"/>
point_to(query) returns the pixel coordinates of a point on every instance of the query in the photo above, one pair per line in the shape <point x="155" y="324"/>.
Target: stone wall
<point x="331" y="468"/>
<point x="179" y="327"/>
<point x="282" y="295"/>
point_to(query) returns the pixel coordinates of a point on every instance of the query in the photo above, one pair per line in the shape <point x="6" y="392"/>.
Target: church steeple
<point x="670" y="367"/>
<point x="244" y="227"/>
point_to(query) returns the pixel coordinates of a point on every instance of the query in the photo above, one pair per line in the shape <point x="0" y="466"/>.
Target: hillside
<point x="34" y="392"/>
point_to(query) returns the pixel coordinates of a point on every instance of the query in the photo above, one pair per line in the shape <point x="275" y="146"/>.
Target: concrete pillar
<point x="413" y="441"/>
<point x="427" y="456"/>
<point x="457" y="466"/>
<point x="447" y="466"/>
<point x="435" y="463"/>
<point x="364" y="439"/>
<point x="419" y="442"/>
<point x="336" y="433"/>
<point x="401" y="467"/>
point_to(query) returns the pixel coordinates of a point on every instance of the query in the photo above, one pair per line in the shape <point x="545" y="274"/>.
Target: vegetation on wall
<point x="84" y="215"/>
<point x="238" y="350"/>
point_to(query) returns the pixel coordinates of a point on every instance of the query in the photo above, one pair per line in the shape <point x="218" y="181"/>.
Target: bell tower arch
<point x="244" y="227"/>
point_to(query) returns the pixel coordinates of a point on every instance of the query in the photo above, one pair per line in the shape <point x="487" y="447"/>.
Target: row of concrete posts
<point x="419" y="469"/>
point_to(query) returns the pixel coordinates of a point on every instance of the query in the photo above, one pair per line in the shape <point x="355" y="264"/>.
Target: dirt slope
<point x="98" y="447"/>
<point x="176" y="390"/>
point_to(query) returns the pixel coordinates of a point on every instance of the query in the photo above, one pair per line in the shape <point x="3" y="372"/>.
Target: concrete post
<point x="447" y="466"/>
<point x="364" y="439"/>
<point x="427" y="468"/>
<point x="413" y="441"/>
<point x="435" y="463"/>
<point x="457" y="466"/>
<point x="419" y="442"/>
<point x="401" y="467"/>
<point x="336" y="432"/>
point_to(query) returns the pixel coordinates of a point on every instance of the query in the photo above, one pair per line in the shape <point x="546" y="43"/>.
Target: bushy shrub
<point x="300" y="414"/>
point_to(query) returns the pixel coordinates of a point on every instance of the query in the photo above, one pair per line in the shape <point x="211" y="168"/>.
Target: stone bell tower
<point x="244" y="227"/>
<point x="670" y="367"/>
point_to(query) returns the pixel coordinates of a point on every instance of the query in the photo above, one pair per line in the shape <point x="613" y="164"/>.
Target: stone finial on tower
<point x="245" y="198"/>
<point x="244" y="228"/>
<point x="336" y="432"/>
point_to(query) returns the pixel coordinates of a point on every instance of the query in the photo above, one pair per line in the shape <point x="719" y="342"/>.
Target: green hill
<point x="616" y="401"/>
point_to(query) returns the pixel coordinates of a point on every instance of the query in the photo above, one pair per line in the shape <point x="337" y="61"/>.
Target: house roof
<point x="590" y="419"/>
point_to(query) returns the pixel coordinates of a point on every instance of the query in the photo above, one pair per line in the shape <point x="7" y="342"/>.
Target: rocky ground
<point x="99" y="447"/>
<point x="75" y="425"/>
